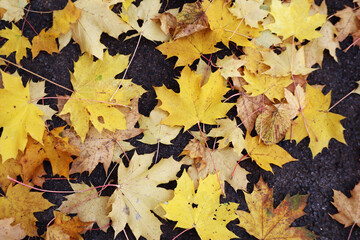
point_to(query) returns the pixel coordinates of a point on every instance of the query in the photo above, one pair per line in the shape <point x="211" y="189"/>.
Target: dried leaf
<point x="348" y="208"/>
<point x="226" y="162"/>
<point x="191" y="19"/>
<point x="265" y="222"/>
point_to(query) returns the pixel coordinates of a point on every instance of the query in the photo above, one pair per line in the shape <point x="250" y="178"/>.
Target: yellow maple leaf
<point x="288" y="17"/>
<point x="250" y="10"/>
<point x="94" y="85"/>
<point x="9" y="168"/>
<point x="315" y="48"/>
<point x="226" y="162"/>
<point x="146" y="11"/>
<point x="54" y="148"/>
<point x="96" y="18"/>
<point x="229" y="66"/>
<point x="62" y="19"/>
<point x="263" y="154"/>
<point x="16" y="42"/>
<point x="348" y="208"/>
<point x="19" y="116"/>
<point x="272" y="87"/>
<point x="45" y="41"/>
<point x="154" y="131"/>
<point x="290" y="61"/>
<point x="191" y="47"/>
<point x="265" y="222"/>
<point x="14" y="9"/>
<point x="105" y="146"/>
<point x="66" y="227"/>
<point x="201" y="210"/>
<point x="228" y="27"/>
<point x="138" y="194"/>
<point x="88" y="206"/>
<point x="321" y="124"/>
<point x="194" y="103"/>
<point x="21" y="204"/>
<point x="231" y="133"/>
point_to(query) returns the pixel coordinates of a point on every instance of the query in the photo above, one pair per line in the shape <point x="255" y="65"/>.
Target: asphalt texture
<point x="337" y="167"/>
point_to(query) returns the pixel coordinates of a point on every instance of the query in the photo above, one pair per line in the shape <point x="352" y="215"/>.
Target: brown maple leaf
<point x="348" y="208"/>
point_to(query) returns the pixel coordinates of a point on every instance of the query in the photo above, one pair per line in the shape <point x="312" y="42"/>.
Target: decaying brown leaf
<point x="348" y="208"/>
<point x="191" y="19"/>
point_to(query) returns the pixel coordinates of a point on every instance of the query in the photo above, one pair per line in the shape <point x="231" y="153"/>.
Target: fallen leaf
<point x="226" y="162"/>
<point x="272" y="124"/>
<point x="271" y="86"/>
<point x="254" y="60"/>
<point x="53" y="148"/>
<point x="167" y="22"/>
<point x="138" y="195"/>
<point x="88" y="205"/>
<point x="194" y="103"/>
<point x="21" y="204"/>
<point x="154" y="131"/>
<point x="66" y="227"/>
<point x="348" y="208"/>
<point x="98" y="148"/>
<point x="9" y="168"/>
<point x="16" y="42"/>
<point x="14" y="9"/>
<point x="201" y="210"/>
<point x="10" y="232"/>
<point x="191" y="19"/>
<point x="288" y="17"/>
<point x="96" y="18"/>
<point x="196" y="150"/>
<point x="264" y="155"/>
<point x="229" y="66"/>
<point x="62" y="19"/>
<point x="195" y="45"/>
<point x="228" y="27"/>
<point x="248" y="109"/>
<point x="250" y="10"/>
<point x="231" y="133"/>
<point x="45" y="41"/>
<point x="146" y="11"/>
<point x="19" y="116"/>
<point x="94" y="84"/>
<point x="315" y="48"/>
<point x="267" y="39"/>
<point x="348" y="23"/>
<point x="295" y="102"/>
<point x="290" y="61"/>
<point x="320" y="124"/>
<point x="265" y="222"/>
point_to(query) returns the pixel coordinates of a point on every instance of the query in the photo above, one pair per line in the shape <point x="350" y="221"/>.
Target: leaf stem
<point x="182" y="233"/>
<point x="242" y="158"/>
<point x="35" y="74"/>
<point x="127" y="68"/>
<point x="340" y="100"/>
<point x="351" y="231"/>
<point x="65" y="192"/>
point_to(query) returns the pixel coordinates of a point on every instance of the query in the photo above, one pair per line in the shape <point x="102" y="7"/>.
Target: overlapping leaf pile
<point x="279" y="43"/>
